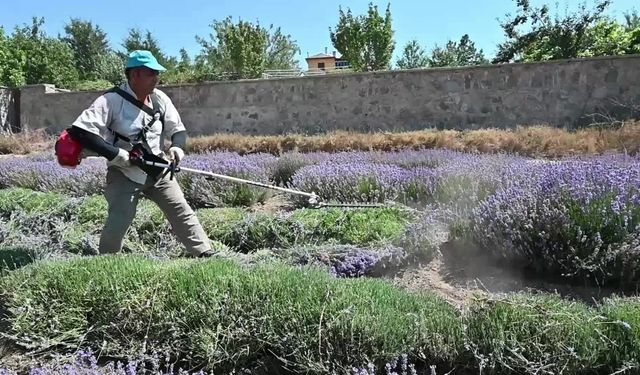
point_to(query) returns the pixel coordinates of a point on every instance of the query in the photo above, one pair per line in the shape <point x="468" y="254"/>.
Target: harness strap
<point x="155" y="115"/>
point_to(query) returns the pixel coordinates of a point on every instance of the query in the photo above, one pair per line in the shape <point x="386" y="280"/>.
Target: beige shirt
<point x="111" y="112"/>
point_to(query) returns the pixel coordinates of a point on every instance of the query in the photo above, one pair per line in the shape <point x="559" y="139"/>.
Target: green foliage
<point x="358" y="226"/>
<point x="13" y="258"/>
<point x="281" y="50"/>
<point x="632" y="20"/>
<point x="32" y="202"/>
<point x="365" y="41"/>
<point x="524" y="334"/>
<point x="413" y="56"/>
<point x="244" y="50"/>
<point x="463" y="53"/>
<point x="247" y="232"/>
<point x="4" y="56"/>
<point x="99" y="84"/>
<point x="92" y="209"/>
<point x="185" y="71"/>
<point x="37" y="58"/>
<point x="149" y="217"/>
<point x="111" y="68"/>
<point x="610" y="38"/>
<point x="137" y="39"/>
<point x="219" y="315"/>
<point x="548" y="38"/>
<point x="89" y="45"/>
<point x="624" y="327"/>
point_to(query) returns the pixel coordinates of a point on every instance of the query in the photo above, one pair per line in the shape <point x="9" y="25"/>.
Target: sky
<point x="176" y="23"/>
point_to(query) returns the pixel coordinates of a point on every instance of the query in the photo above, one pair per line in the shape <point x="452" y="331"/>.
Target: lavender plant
<point x="319" y="324"/>
<point x="347" y="261"/>
<point x="204" y="192"/>
<point x="85" y="362"/>
<point x="574" y="218"/>
<point x="42" y="173"/>
<point x="363" y="182"/>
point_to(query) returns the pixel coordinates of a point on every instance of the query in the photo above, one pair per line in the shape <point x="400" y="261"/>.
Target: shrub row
<point x="49" y="223"/>
<point x="576" y="219"/>
<point x="221" y="316"/>
<point x="404" y="177"/>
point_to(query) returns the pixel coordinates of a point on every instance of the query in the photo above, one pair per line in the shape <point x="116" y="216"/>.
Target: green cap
<point x="139" y="58"/>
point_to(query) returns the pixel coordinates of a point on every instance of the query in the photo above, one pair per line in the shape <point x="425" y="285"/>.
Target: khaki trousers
<point x="122" y="195"/>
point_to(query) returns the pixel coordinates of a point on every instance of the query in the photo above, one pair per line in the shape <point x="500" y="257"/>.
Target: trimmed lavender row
<point x="574" y="218"/>
<point x="348" y="261"/>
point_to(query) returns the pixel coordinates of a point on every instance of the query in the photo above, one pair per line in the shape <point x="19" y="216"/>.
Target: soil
<point x="460" y="279"/>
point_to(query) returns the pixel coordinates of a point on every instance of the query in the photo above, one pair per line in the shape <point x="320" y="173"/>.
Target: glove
<point x="176" y="154"/>
<point x="122" y="159"/>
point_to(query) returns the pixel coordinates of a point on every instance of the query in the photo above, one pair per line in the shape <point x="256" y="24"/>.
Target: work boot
<point x="208" y="254"/>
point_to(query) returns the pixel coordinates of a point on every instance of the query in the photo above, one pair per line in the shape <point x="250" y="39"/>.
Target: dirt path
<point x="459" y="283"/>
<point x="433" y="277"/>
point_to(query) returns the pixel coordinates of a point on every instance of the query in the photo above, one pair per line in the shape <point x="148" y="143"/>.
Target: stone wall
<point x="9" y="118"/>
<point x="564" y="93"/>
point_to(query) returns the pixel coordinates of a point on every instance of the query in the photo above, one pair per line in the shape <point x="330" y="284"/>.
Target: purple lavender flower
<point x="347" y="261"/>
<point x="572" y="217"/>
<point x="43" y="173"/>
<point x="202" y="191"/>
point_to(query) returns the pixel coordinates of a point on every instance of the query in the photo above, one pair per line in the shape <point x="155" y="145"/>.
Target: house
<point x="326" y="62"/>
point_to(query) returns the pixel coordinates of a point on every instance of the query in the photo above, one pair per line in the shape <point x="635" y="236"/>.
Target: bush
<point x="364" y="182"/>
<point x="14" y="257"/>
<point x="41" y="172"/>
<point x="223" y="316"/>
<point x="527" y="334"/>
<point x="202" y="191"/>
<point x="362" y="226"/>
<point x="347" y="260"/>
<point x="32" y="202"/>
<point x="575" y="219"/>
<point x="623" y="315"/>
<point x="92" y="209"/>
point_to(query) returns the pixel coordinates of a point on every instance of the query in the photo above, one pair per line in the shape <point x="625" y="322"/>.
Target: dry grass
<point x="535" y="141"/>
<point x="26" y="142"/>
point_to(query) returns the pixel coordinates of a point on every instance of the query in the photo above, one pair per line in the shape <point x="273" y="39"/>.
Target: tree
<point x="365" y="41"/>
<point x="463" y="53"/>
<point x="4" y="56"/>
<point x="111" y="68"/>
<point x="90" y="46"/>
<point x="281" y="51"/>
<point x="413" y="56"/>
<point x="632" y="20"/>
<point x="184" y="71"/>
<point x="236" y="49"/>
<point x="135" y="40"/>
<point x="244" y="50"/>
<point x="37" y="58"/>
<point x="547" y="39"/>
<point x="610" y="38"/>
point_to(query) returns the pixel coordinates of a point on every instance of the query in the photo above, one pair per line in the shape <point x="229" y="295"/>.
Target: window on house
<point x="321" y="65"/>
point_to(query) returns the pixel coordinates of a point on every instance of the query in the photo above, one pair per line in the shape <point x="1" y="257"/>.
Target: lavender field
<point x="576" y="217"/>
<point x="574" y="220"/>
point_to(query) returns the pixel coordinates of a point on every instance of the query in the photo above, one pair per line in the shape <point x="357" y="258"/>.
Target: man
<point x="110" y="127"/>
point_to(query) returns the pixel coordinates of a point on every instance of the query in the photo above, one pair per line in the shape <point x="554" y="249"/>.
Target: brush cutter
<point x="157" y="166"/>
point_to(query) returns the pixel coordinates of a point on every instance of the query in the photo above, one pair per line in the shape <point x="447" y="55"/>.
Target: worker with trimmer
<point x="135" y="118"/>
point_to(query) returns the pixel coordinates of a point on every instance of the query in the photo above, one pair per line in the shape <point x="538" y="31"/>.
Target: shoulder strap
<point x="155" y="101"/>
<point x="134" y="101"/>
